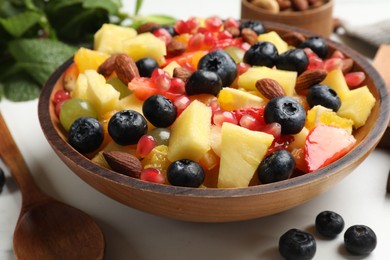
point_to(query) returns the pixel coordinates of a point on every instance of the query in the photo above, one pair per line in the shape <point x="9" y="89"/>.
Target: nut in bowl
<point x="313" y="15"/>
<point x="198" y="135"/>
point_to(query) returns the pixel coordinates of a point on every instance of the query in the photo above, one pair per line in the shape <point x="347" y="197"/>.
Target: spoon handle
<point x="12" y="157"/>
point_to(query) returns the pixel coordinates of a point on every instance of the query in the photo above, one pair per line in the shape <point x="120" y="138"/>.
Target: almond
<point x="249" y="36"/>
<point x="125" y="68"/>
<point x="108" y="66"/>
<point x="300" y="5"/>
<point x="182" y="73"/>
<point x="270" y="88"/>
<point x="124" y="163"/>
<point x="309" y="78"/>
<point x="146" y="27"/>
<point x="176" y="48"/>
<point x="234" y="31"/>
<point x="293" y="38"/>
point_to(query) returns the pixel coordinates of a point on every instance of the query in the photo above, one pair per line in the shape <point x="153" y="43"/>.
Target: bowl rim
<point x="247" y="5"/>
<point x="362" y="149"/>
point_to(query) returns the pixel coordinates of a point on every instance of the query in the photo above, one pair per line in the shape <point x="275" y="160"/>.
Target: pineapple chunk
<point x="285" y="78"/>
<point x="299" y="140"/>
<point x="190" y="133"/>
<point x="110" y="37"/>
<point x="102" y="96"/>
<point x="80" y="89"/>
<point x="231" y="99"/>
<point x="146" y="45"/>
<point x="321" y="115"/>
<point x="335" y="79"/>
<point x="87" y="59"/>
<point x="274" y="38"/>
<point x="356" y="105"/>
<point x="241" y="153"/>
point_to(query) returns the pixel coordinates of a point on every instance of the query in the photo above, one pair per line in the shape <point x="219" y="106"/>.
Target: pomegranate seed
<point x="181" y="103"/>
<point x="213" y="24"/>
<point x="161" y="79"/>
<point x="152" y="175"/>
<point x="332" y="64"/>
<point x="223" y="35"/>
<point x="249" y="122"/>
<point x="354" y="79"/>
<point x="58" y="106"/>
<point x="61" y="95"/>
<point x="145" y="145"/>
<point x="231" y="22"/>
<point x="221" y="117"/>
<point x="181" y="27"/>
<point x="280" y="143"/>
<point x="214" y="104"/>
<point x="274" y="129"/>
<point x="310" y="53"/>
<point x="192" y="24"/>
<point x="209" y="39"/>
<point x="338" y="54"/>
<point x="242" y="67"/>
<point x="177" y="86"/>
<point x="163" y="34"/>
<point x="315" y="63"/>
<point x="196" y="42"/>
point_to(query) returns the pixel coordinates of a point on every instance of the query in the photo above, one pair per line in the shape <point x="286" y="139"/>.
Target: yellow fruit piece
<point x="322" y="115"/>
<point x="157" y="158"/>
<point x="80" y="88"/>
<point x="241" y="153"/>
<point x="285" y="78"/>
<point x="131" y="102"/>
<point x="196" y="58"/>
<point x="102" y="96"/>
<point x="335" y="79"/>
<point x="215" y="139"/>
<point x="171" y="67"/>
<point x="357" y="105"/>
<point x="190" y="133"/>
<point x="146" y="45"/>
<point x="110" y="38"/>
<point x="299" y="140"/>
<point x="274" y="38"/>
<point x="87" y="59"/>
<point x="230" y="99"/>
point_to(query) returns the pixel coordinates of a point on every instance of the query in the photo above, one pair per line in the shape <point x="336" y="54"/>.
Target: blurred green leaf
<point x="18" y="24"/>
<point x="20" y="87"/>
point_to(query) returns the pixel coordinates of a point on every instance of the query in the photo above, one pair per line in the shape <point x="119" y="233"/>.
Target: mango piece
<point x="274" y="38"/>
<point x="190" y="133"/>
<point x="146" y="45"/>
<point x="110" y="38"/>
<point x="241" y="153"/>
<point x="321" y="115"/>
<point x="285" y="78"/>
<point x="231" y="99"/>
<point x="87" y="59"/>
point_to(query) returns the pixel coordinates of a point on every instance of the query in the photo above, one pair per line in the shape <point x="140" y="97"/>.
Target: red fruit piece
<point x="213" y="24"/>
<point x="152" y="175"/>
<point x="325" y="144"/>
<point x="142" y="87"/>
<point x="145" y="145"/>
<point x="255" y="112"/>
<point x="354" y="79"/>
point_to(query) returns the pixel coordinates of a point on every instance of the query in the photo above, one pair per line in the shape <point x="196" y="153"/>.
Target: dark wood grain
<point x="220" y="205"/>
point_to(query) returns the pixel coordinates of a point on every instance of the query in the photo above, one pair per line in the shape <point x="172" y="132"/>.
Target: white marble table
<point x="130" y="234"/>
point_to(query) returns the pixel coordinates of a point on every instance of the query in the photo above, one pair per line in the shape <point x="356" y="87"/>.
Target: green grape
<point x="161" y="135"/>
<point x="74" y="108"/>
<point x="236" y="53"/>
<point x="119" y="86"/>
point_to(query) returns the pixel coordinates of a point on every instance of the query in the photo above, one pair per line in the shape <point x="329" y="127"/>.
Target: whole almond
<point x="249" y="36"/>
<point x="125" y="68"/>
<point x="124" y="163"/>
<point x="293" y="38"/>
<point x="146" y="27"/>
<point x="108" y="66"/>
<point x="270" y="88"/>
<point x="300" y="5"/>
<point x="269" y="5"/>
<point x="176" y="48"/>
<point x="182" y="73"/>
<point x="309" y="78"/>
<point x="234" y="31"/>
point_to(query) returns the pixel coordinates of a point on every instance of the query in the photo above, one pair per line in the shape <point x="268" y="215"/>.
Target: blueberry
<point x="185" y="173"/>
<point x="316" y="44"/>
<point x="321" y="94"/>
<point x="360" y="240"/>
<point x="203" y="82"/>
<point x="261" y="54"/>
<point x="287" y="112"/>
<point x="329" y="224"/>
<point x="293" y="60"/>
<point x="127" y="126"/>
<point x="222" y="63"/>
<point x="256" y="26"/>
<point x="2" y="179"/>
<point x="86" y="134"/>
<point x="146" y="66"/>
<point x="297" y="245"/>
<point x="277" y="166"/>
<point x="159" y="110"/>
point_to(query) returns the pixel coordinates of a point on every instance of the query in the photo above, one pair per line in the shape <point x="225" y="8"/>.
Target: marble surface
<point x="130" y="234"/>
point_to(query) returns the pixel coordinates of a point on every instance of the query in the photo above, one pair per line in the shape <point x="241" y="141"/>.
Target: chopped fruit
<point x="80" y="89"/>
<point x="145" y="145"/>
<point x="152" y="175"/>
<point x="335" y="79"/>
<point x="274" y="37"/>
<point x="87" y="59"/>
<point x="170" y="67"/>
<point x="285" y="78"/>
<point x="322" y="115"/>
<point x="158" y="159"/>
<point x="232" y="99"/>
<point x="325" y="144"/>
<point x="221" y="116"/>
<point x="142" y="87"/>
<point x="70" y="77"/>
<point x="241" y="153"/>
<point x="112" y="146"/>
<point x="110" y="37"/>
<point x="190" y="133"/>
<point x="209" y="160"/>
<point x="354" y="79"/>
<point x="215" y="139"/>
<point x="356" y="105"/>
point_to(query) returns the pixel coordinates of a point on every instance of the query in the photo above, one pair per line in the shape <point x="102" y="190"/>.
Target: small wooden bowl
<point x="317" y="20"/>
<point x="212" y="204"/>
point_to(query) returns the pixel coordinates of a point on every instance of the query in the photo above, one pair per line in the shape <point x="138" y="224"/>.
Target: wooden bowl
<point x="212" y="204"/>
<point x="317" y="20"/>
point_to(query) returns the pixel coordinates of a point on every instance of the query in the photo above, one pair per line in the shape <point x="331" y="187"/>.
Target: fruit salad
<point x="211" y="103"/>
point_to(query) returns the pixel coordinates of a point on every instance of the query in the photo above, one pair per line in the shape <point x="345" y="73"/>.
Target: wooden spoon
<point x="46" y="228"/>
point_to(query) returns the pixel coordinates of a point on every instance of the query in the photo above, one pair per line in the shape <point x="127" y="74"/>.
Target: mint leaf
<point x="17" y="25"/>
<point x="138" y="5"/>
<point x="40" y="57"/>
<point x="20" y="88"/>
<point x="160" y="19"/>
